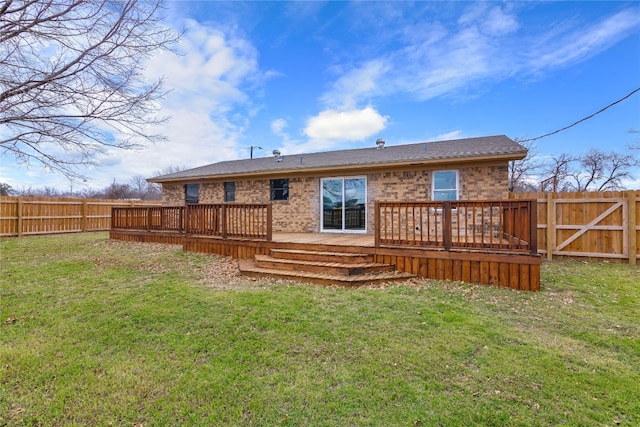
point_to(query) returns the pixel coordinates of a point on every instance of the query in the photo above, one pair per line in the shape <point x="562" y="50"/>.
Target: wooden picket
<point x="599" y="225"/>
<point x="20" y="216"/>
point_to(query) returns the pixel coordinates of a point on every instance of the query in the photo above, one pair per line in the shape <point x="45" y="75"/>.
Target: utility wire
<point x="582" y="120"/>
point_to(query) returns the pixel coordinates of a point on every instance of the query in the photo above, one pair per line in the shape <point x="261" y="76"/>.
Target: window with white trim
<point x="445" y="185"/>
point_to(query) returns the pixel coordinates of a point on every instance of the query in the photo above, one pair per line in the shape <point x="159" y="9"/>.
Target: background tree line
<point x="595" y="170"/>
<point x="136" y="187"/>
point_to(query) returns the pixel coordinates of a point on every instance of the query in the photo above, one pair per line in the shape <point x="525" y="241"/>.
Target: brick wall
<point x="301" y="213"/>
<point x="172" y="195"/>
<point x="484" y="183"/>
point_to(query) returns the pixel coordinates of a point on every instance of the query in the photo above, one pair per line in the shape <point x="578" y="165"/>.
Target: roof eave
<point x="345" y="168"/>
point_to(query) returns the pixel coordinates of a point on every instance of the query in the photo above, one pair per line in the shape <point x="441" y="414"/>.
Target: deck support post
<point x="446" y="225"/>
<point x="269" y="222"/>
<point x="376" y="224"/>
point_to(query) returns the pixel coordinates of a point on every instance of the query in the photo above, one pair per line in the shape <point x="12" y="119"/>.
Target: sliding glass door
<point x="344" y="204"/>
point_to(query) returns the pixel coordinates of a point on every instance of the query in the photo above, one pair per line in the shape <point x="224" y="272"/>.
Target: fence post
<point x="83" y="209"/>
<point x="19" y="213"/>
<point x="551" y="222"/>
<point x="533" y="227"/>
<point x="446" y="225"/>
<point x="633" y="232"/>
<point x="149" y="218"/>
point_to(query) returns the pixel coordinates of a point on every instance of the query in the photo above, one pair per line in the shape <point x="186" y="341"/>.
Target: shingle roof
<point x="426" y="152"/>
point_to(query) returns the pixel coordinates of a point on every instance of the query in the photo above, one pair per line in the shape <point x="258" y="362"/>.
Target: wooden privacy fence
<point x="603" y="225"/>
<point x="499" y="225"/>
<point x="21" y="216"/>
<point x="251" y="221"/>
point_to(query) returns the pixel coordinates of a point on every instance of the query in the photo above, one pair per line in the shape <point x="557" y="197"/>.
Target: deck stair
<point x="321" y="267"/>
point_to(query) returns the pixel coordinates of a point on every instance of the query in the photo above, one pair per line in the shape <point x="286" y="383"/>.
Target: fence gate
<point x="591" y="229"/>
<point x="602" y="225"/>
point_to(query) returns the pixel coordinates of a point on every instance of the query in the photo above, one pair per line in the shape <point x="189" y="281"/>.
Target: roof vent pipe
<point x="380" y="143"/>
<point x="277" y="155"/>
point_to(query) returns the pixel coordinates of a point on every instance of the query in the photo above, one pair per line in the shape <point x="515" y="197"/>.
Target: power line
<point x="582" y="120"/>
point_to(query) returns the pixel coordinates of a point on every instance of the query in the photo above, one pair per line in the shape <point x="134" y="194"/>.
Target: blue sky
<point x="322" y="75"/>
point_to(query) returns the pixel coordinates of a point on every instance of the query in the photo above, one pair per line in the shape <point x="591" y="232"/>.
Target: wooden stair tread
<point x="319" y="263"/>
<point x="319" y="253"/>
<point x="249" y="267"/>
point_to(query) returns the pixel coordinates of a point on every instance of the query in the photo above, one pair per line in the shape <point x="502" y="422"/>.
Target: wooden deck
<point x="509" y="270"/>
<point x="488" y="242"/>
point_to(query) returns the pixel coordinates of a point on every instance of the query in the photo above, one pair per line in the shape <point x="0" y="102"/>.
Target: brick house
<point x="334" y="191"/>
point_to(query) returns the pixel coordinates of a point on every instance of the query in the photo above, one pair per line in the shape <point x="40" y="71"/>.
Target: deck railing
<point x="503" y="225"/>
<point x="222" y="220"/>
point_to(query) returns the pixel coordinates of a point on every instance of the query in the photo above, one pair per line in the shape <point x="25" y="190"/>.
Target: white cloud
<point x="356" y="84"/>
<point x="288" y="145"/>
<point x="332" y="129"/>
<point x="455" y="134"/>
<point x="485" y="44"/>
<point x="579" y="44"/>
<point x="278" y="126"/>
<point x="208" y="103"/>
<point x="352" y="125"/>
<point x="499" y="22"/>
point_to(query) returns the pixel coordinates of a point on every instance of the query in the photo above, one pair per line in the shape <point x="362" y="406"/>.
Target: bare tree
<point x="522" y="172"/>
<point x="170" y="169"/>
<point x="145" y="190"/>
<point x="635" y="145"/>
<point x="600" y="171"/>
<point x="39" y="192"/>
<point x="5" y="189"/>
<point x="71" y="83"/>
<point x="594" y="171"/>
<point x="119" y="191"/>
<point x="556" y="169"/>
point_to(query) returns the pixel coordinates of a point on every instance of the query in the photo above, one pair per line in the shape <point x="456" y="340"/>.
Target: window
<point x="280" y="189"/>
<point x="191" y="193"/>
<point x="445" y="185"/>
<point x="229" y="191"/>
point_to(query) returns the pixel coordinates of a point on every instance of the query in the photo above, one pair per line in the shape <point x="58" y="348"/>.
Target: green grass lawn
<point x="99" y="332"/>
